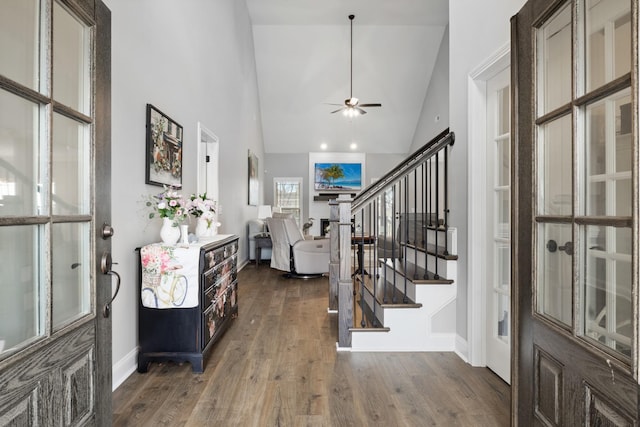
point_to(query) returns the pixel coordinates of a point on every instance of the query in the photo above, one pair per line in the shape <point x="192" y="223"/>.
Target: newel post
<point x="345" y="282"/>
<point x="334" y="256"/>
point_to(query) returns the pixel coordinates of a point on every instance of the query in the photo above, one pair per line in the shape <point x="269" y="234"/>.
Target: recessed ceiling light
<point x="353" y="146"/>
<point x="323" y="145"/>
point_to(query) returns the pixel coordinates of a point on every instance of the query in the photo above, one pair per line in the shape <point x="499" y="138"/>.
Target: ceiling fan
<point x="352" y="106"/>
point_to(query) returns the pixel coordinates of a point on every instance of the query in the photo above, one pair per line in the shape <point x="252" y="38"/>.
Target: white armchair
<point x="292" y="253"/>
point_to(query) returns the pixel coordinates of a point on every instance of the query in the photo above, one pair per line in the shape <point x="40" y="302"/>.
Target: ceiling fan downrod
<point x="351" y="61"/>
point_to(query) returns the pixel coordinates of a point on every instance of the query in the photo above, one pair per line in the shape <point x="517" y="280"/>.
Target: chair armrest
<point x="320" y="245"/>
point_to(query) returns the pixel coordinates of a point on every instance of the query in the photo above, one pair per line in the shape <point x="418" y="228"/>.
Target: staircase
<point x="393" y="262"/>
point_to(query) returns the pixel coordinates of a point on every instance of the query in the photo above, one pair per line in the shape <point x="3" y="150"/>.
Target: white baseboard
<point x="123" y="368"/>
<point x="338" y="348"/>
<point x="462" y="348"/>
<point x="243" y="264"/>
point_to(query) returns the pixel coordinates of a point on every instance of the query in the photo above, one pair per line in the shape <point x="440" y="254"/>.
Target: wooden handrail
<point x="403" y="169"/>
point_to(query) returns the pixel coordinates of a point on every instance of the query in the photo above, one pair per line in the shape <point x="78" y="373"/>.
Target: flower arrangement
<point x="201" y="207"/>
<point x="168" y="204"/>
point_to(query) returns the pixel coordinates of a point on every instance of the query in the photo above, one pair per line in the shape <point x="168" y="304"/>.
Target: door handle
<point x="105" y="266"/>
<point x="552" y="246"/>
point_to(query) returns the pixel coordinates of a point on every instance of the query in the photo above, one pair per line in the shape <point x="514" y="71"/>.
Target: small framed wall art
<point x="164" y="150"/>
<point x="254" y="183"/>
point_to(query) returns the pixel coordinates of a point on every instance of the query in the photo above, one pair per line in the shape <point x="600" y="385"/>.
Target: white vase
<point x="169" y="233"/>
<point x="206" y="229"/>
<point x="184" y="235"/>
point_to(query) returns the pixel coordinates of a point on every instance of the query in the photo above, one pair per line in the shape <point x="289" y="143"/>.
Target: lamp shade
<point x="264" y="211"/>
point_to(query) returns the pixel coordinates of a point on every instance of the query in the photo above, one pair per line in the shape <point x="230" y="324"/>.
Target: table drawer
<point x="218" y="289"/>
<point x="215" y="274"/>
<point x="221" y="307"/>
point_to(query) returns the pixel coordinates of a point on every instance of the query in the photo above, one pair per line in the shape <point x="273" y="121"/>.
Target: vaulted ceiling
<point x="302" y="50"/>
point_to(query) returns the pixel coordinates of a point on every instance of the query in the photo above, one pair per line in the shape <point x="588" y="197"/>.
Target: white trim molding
<point x="124" y="367"/>
<point x="476" y="219"/>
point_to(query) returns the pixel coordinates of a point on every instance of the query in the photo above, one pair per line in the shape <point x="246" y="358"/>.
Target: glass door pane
<point x="554" y="56"/>
<point x="555" y="162"/>
<point x="609" y="154"/>
<point x="70" y="272"/>
<point x="607" y="287"/>
<point x="70" y="167"/>
<point x="554" y="272"/>
<point x="502" y="290"/>
<point x="608" y="41"/>
<point x="19" y="41"/>
<point x="21" y="191"/>
<point x="71" y="76"/>
<point x="22" y="311"/>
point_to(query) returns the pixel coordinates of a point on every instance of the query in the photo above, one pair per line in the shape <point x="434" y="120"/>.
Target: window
<point x="287" y="195"/>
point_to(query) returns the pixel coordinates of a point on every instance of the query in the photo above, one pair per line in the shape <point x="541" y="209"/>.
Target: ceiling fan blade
<point x="328" y="103"/>
<point x="360" y="110"/>
<point x="339" y="109"/>
<point x="370" y="105"/>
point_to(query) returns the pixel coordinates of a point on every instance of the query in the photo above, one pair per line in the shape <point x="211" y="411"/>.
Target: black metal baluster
<point x="372" y="277"/>
<point x="446" y="200"/>
<point x="415" y="224"/>
<point x="424" y="216"/>
<point x="406" y="236"/>
<point x="429" y="184"/>
<point x="386" y="239"/>
<point x="360" y="270"/>
<point x="393" y="248"/>
<point x="435" y="252"/>
<point x="430" y="171"/>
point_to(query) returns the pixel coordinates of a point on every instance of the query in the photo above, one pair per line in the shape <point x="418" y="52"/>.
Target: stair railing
<point x="401" y="212"/>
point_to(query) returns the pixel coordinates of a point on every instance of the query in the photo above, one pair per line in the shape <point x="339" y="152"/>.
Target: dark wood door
<point x="575" y="211"/>
<point x="55" y="342"/>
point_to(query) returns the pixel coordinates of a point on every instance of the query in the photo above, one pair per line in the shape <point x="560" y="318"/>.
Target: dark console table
<point x="185" y="305"/>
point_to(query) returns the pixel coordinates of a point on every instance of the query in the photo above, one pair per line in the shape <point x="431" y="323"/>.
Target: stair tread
<point x="415" y="273"/>
<point x="369" y="329"/>
<point x="389" y="291"/>
<point x="431" y="250"/>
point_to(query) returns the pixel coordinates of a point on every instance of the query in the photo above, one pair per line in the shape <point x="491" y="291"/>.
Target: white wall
<point x="476" y="31"/>
<point x="195" y="62"/>
<point x="435" y="110"/>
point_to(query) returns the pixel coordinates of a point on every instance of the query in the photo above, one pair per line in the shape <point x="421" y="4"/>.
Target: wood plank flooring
<point x="277" y="366"/>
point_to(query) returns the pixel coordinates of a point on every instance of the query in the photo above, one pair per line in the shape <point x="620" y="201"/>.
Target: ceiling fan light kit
<point x="351" y="106"/>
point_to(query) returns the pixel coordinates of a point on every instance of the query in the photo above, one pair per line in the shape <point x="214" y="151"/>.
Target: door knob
<point x="552" y="246"/>
<point x="107" y="231"/>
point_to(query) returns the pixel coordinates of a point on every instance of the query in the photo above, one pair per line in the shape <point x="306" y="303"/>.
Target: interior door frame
<point x="205" y="137"/>
<point x="477" y="197"/>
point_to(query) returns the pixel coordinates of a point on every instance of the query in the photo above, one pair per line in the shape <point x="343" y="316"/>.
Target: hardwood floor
<point x="277" y="366"/>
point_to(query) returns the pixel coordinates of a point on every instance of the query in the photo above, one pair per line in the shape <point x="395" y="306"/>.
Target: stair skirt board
<point x="410" y="329"/>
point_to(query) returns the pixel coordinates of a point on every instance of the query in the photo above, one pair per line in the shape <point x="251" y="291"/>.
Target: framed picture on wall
<point x="337" y="176"/>
<point x="163" y="150"/>
<point x="254" y="183"/>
